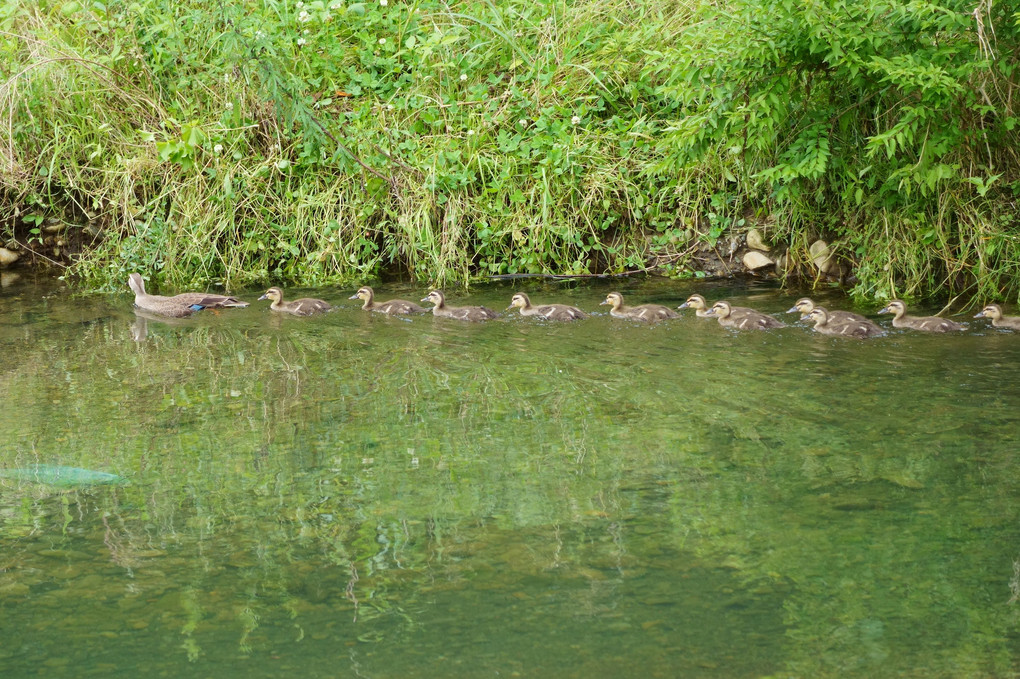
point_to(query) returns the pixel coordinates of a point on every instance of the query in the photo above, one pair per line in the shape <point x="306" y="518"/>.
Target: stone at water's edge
<point x="8" y="257"/>
<point x="59" y="475"/>
<point x="754" y="260"/>
<point x="755" y="241"/>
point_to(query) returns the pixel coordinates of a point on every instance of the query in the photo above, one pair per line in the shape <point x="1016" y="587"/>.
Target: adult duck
<point x="922" y="323"/>
<point x="392" y="307"/>
<point x="827" y="325"/>
<point x="994" y="312"/>
<point x="306" y="306"/>
<point x="742" y="318"/>
<point x="648" y="313"/>
<point x="172" y="307"/>
<point x="461" y="313"/>
<point x="550" y="312"/>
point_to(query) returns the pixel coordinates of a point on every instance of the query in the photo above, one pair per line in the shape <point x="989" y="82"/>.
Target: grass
<point x="337" y="142"/>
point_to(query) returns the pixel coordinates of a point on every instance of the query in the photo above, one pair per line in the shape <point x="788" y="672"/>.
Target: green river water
<point x="355" y="495"/>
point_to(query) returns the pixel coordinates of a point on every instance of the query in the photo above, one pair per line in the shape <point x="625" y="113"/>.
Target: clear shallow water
<point x="356" y="495"/>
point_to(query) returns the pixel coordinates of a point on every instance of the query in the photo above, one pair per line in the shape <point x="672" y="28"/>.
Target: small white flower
<point x="471" y="133"/>
<point x="335" y="5"/>
<point x="218" y="148"/>
<point x="301" y="41"/>
<point x="230" y="106"/>
<point x="382" y="41"/>
<point x="523" y="122"/>
<point x="304" y="32"/>
<point x="300" y="5"/>
<point x="389" y="107"/>
<point x="259" y="35"/>
<point x="303" y="17"/>
<point x="463" y="77"/>
<point x="575" y="120"/>
<point x="384" y="2"/>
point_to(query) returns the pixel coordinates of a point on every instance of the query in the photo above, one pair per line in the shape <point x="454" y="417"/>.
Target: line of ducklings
<point x="844" y="323"/>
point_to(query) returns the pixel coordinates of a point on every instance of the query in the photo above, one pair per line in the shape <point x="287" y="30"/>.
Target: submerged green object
<point x="59" y="475"/>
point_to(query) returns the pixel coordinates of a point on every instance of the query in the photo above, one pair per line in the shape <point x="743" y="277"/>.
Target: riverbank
<point x="314" y="143"/>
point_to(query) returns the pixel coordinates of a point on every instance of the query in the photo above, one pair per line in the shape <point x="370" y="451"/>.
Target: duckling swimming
<point x="461" y="313"/>
<point x="742" y="318"/>
<point x="299" y="307"/>
<point x="392" y="307"/>
<point x="923" y="323"/>
<point x="644" y="312"/>
<point x="825" y="324"/>
<point x="551" y="312"/>
<point x="994" y="312"/>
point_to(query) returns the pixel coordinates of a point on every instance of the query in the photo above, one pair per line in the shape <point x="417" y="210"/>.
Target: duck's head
<point x="615" y="299"/>
<point x="519" y="300"/>
<point x="818" y="314"/>
<point x="436" y="297"/>
<point x="694" y="302"/>
<point x="992" y="311"/>
<point x="894" y="307"/>
<point x="719" y="310"/>
<point x="364" y="293"/>
<point x="136" y="283"/>
<point x="804" y="305"/>
<point x="275" y="294"/>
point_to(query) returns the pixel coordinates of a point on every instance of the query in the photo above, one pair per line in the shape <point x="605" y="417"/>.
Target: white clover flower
<point x="384" y="2"/>
<point x="218" y="148"/>
<point x="471" y="133"/>
<point x="389" y="107"/>
<point x="301" y="41"/>
<point x="523" y="122"/>
<point x="303" y="17"/>
<point x="463" y="77"/>
<point x="230" y="106"/>
<point x="382" y="41"/>
<point x="575" y="120"/>
<point x="335" y="5"/>
<point x="304" y="32"/>
<point x="300" y="5"/>
<point x="259" y="35"/>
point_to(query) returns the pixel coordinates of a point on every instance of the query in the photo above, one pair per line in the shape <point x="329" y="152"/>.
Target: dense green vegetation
<point x="327" y="141"/>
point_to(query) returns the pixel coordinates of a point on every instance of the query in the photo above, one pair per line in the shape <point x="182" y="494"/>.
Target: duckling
<point x="392" y="307"/>
<point x="299" y="307"/>
<point x="804" y="305"/>
<point x="461" y="313"/>
<point x="644" y="312"/>
<point x="157" y="304"/>
<point x="925" y="323"/>
<point x="551" y="312"/>
<point x="742" y="318"/>
<point x="698" y="303"/>
<point x="994" y="312"/>
<point x="826" y="324"/>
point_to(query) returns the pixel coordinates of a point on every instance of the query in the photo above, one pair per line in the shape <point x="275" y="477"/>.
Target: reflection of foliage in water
<point x="335" y="480"/>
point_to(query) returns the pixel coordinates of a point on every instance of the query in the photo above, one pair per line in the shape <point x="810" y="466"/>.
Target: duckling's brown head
<point x="436" y="297"/>
<point x="274" y="294"/>
<point x="615" y="299"/>
<point x="519" y="300"/>
<point x="694" y="302"/>
<point x="818" y="314"/>
<point x="136" y="283"/>
<point x="719" y="310"/>
<point x="894" y="307"/>
<point x="992" y="311"/>
<point x="804" y="305"/>
<point x="364" y="293"/>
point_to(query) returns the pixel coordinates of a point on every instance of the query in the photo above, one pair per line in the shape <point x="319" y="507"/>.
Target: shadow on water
<point x="359" y="495"/>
